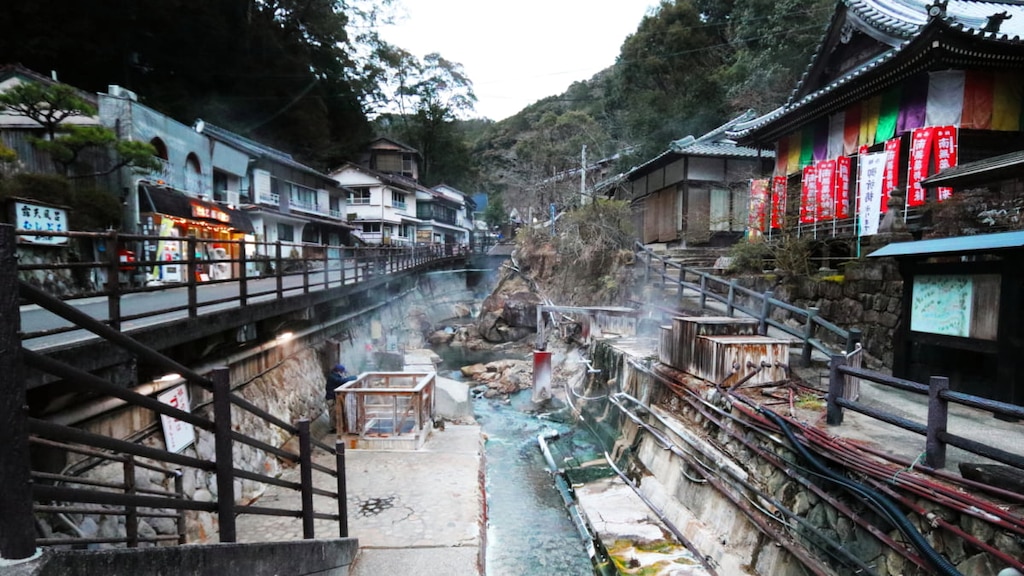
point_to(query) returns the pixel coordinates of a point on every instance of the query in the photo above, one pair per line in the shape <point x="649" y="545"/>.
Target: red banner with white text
<point x="808" y="195"/>
<point x="920" y="156"/>
<point x="779" y="201"/>
<point x="891" y="176"/>
<point x="826" y="193"/>
<point x="945" y="155"/>
<point x="842" y="187"/>
<point x="758" y="212"/>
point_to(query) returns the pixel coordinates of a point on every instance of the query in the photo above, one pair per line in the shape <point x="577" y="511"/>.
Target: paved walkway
<point x="412" y="511"/>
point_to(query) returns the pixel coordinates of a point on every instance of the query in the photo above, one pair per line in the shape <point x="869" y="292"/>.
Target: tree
<point x="429" y="99"/>
<point x="51" y="105"/>
<point x="495" y="214"/>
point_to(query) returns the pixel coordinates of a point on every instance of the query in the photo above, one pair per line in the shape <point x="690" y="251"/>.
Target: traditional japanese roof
<point x="870" y="45"/>
<point x="979" y="173"/>
<point x="256" y="149"/>
<point x="715" y="144"/>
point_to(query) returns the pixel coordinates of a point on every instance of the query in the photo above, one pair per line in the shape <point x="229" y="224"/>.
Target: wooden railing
<point x="24" y="492"/>
<point x="934" y="429"/>
<point x="816" y="332"/>
<point x="244" y="270"/>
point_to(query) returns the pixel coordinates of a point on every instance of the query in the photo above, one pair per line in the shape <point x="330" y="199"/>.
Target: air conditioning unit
<point x="122" y="92"/>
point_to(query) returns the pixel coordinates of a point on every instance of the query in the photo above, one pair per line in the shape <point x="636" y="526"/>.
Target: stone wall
<point x="867" y="296"/>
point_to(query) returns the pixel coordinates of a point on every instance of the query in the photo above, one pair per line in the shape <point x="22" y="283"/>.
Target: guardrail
<point x="24" y="491"/>
<point x="935" y="431"/>
<point x="251" y="269"/>
<point x="759" y="305"/>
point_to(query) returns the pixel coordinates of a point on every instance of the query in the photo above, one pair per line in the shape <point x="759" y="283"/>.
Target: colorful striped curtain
<point x="913" y="104"/>
<point x="978" y="100"/>
<point x="1006" y="102"/>
<point x="807" y="145"/>
<point x="869" y="120"/>
<point x="888" y="114"/>
<point x="851" y="129"/>
<point x="945" y="98"/>
<point x="793" y="159"/>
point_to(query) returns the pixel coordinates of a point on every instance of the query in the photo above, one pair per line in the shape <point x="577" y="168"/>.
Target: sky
<point x="518" y="52"/>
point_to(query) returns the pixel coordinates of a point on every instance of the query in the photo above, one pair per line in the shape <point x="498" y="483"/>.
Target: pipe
<point x="878" y="501"/>
<point x="596" y="551"/>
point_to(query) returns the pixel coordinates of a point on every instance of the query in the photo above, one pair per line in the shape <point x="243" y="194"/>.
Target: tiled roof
<point x="898" y="23"/>
<point x="257" y="149"/>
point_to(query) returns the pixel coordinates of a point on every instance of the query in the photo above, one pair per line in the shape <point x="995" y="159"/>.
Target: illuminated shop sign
<point x="200" y="211"/>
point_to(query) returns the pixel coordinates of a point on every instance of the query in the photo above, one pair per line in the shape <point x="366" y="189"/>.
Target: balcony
<point x="269" y="198"/>
<point x="303" y="205"/>
<point x="398" y="205"/>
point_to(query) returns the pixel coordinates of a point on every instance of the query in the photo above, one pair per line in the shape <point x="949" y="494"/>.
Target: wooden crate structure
<point x="726" y="360"/>
<point x="386" y="410"/>
<point x="686" y="330"/>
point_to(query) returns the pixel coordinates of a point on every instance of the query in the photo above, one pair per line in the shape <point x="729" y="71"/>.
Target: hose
<point x="886" y="506"/>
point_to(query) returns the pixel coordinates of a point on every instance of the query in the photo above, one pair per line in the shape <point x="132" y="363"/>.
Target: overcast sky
<point x="517" y="52"/>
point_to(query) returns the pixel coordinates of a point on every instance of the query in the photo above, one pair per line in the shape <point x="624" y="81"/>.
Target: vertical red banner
<point x="842" y="187"/>
<point x="826" y="193"/>
<point x="890" y="176"/>
<point x="945" y="154"/>
<point x="808" y="195"/>
<point x="758" y="205"/>
<point x="779" y="201"/>
<point x="920" y="155"/>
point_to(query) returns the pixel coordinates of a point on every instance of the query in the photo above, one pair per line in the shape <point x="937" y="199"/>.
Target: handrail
<point x="761" y="305"/>
<point x="204" y="273"/>
<point x="125" y="497"/>
<point x="937" y="437"/>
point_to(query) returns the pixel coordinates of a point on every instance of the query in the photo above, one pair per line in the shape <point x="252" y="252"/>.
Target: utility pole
<point x="583" y="176"/>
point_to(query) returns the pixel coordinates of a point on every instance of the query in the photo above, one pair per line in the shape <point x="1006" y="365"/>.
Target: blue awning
<point x="956" y="245"/>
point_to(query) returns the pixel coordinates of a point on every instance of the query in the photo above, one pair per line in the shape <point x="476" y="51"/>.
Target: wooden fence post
<point x="113" y="281"/>
<point x="808" y="334"/>
<point x="703" y="290"/>
<point x="131" y="516"/>
<point x="192" y="271"/>
<point x="17" y="523"/>
<point x="853" y="337"/>
<point x="938" y="414"/>
<point x="243" y="274"/>
<point x="279" y="268"/>
<point x="836" y="385"/>
<point x="222" y="448"/>
<point x="682" y="278"/>
<point x="306" y="477"/>
<point x="730" y="302"/>
<point x="766" y="309"/>
<point x="339" y="451"/>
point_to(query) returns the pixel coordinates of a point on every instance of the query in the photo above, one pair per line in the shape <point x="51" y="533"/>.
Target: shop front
<point x="169" y="214"/>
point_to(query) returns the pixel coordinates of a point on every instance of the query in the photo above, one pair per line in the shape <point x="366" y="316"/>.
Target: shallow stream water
<point x="528" y="528"/>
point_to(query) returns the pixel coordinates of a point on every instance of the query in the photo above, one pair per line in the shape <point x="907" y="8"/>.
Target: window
<point x="391" y="163"/>
<point x="302" y="197"/>
<point x="285" y="232"/>
<point x="371" y="227"/>
<point x="398" y="200"/>
<point x="359" y="196"/>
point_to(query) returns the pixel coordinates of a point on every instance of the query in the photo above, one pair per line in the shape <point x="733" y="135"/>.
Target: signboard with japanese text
<point x="39" y="218"/>
<point x="178" y="435"/>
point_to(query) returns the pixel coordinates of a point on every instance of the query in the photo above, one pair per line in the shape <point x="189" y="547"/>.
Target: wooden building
<point x="899" y="90"/>
<point x="696" y="193"/>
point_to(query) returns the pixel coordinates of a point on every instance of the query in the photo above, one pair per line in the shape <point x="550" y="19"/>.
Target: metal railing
<point x="245" y="270"/>
<point x="935" y="431"/>
<point x="24" y="491"/>
<point x="815" y="332"/>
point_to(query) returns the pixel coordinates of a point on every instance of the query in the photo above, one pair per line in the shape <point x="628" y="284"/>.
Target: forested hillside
<point x="312" y="78"/>
<point x="688" y="68"/>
